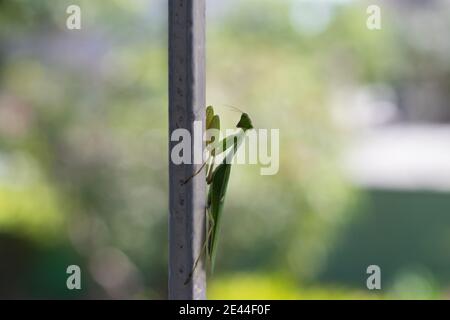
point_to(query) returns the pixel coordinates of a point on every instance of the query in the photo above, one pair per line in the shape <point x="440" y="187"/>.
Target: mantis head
<point x="245" y="123"/>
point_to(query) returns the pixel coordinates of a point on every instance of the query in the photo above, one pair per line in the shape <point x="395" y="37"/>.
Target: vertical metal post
<point x="186" y="105"/>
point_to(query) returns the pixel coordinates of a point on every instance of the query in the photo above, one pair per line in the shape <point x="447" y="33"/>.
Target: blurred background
<point x="364" y="121"/>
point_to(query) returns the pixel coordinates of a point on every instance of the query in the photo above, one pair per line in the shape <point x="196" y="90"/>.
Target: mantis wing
<point x="216" y="197"/>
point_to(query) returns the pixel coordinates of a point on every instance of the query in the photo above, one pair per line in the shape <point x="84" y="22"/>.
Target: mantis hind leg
<point x="210" y="224"/>
<point x="205" y="246"/>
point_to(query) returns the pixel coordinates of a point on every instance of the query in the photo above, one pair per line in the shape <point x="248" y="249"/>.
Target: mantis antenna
<point x="236" y="109"/>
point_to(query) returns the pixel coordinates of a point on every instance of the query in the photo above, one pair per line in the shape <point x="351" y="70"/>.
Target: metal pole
<point x="186" y="105"/>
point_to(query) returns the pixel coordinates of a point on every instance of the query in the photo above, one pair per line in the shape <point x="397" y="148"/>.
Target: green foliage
<point x="28" y="204"/>
<point x="256" y="286"/>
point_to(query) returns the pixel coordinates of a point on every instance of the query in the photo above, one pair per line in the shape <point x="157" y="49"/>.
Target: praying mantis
<point x="217" y="179"/>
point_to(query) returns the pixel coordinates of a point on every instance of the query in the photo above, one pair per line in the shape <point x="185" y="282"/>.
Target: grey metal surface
<point x="186" y="104"/>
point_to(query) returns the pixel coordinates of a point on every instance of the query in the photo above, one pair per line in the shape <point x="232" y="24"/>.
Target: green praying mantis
<point x="217" y="179"/>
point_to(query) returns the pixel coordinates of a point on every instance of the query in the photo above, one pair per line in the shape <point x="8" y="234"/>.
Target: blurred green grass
<point x="255" y="286"/>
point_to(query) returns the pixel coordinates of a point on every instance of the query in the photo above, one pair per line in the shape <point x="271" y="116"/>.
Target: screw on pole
<point x="186" y="105"/>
